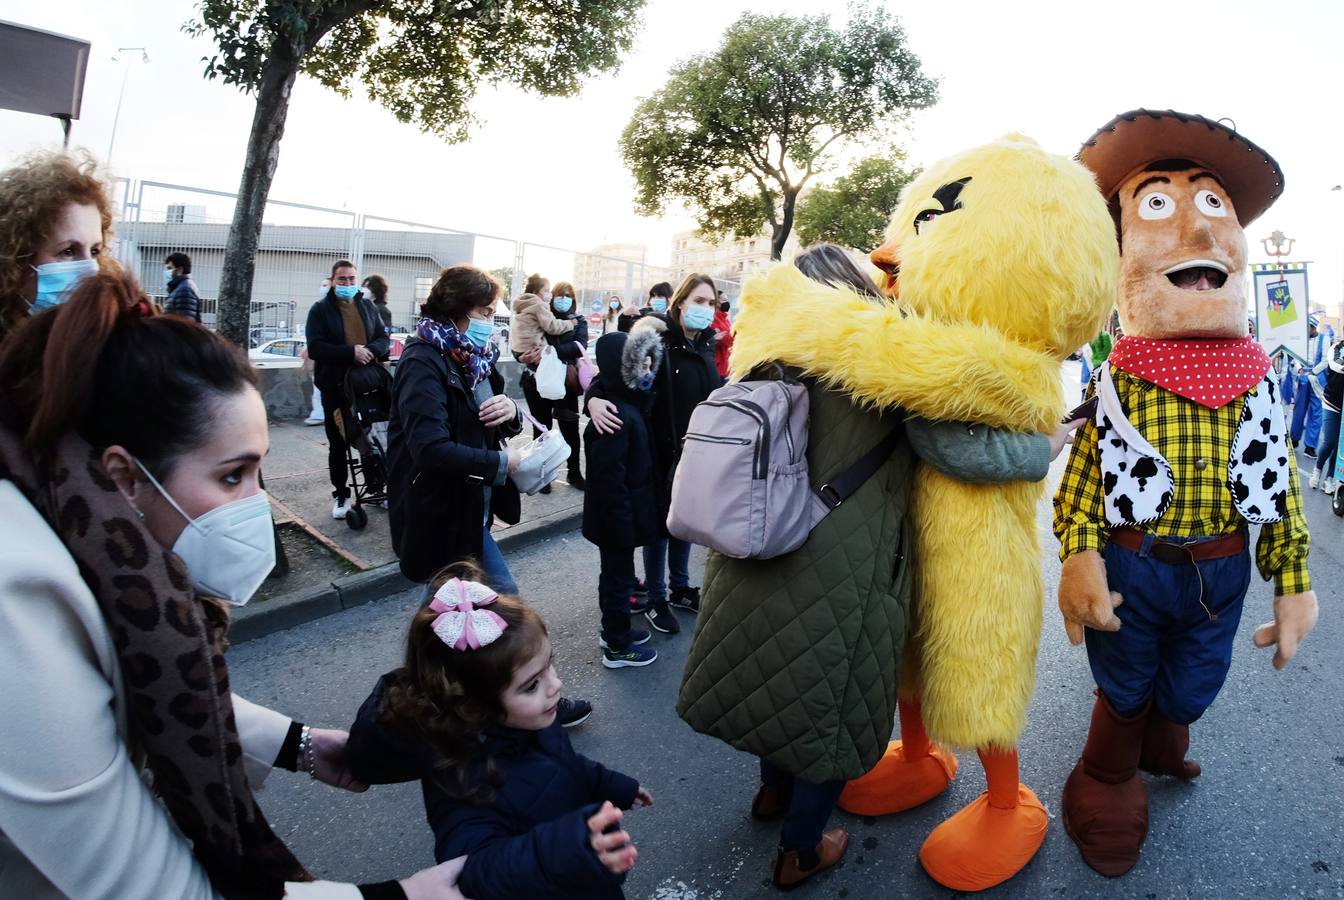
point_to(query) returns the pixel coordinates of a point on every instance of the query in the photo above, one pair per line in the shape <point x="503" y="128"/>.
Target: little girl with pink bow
<point x="472" y="715"/>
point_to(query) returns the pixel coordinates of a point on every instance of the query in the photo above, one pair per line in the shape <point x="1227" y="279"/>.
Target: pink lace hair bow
<point x="460" y="624"/>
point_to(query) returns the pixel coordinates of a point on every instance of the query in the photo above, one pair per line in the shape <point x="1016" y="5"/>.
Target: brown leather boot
<point x="1164" y="746"/>
<point x="770" y="801"/>
<point x="788" y="874"/>
<point x="1105" y="804"/>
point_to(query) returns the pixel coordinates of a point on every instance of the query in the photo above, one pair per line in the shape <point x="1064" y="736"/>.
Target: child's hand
<point x="614" y="850"/>
<point x="643" y="797"/>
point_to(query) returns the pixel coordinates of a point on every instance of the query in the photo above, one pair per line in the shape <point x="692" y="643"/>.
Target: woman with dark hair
<point x="130" y="453"/>
<point x="448" y="459"/>
<point x="685" y="378"/>
<point x="565" y="411"/>
<point x="55" y="222"/>
<point x="375" y="288"/>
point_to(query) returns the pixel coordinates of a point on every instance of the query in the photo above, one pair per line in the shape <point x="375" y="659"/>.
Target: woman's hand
<point x="515" y="460"/>
<point x="438" y="883"/>
<point x="603" y="414"/>
<point x="531" y="357"/>
<point x="329" y="763"/>
<point x="643" y="797"/>
<point x="1062" y="437"/>
<point x="614" y="850"/>
<point x="498" y="410"/>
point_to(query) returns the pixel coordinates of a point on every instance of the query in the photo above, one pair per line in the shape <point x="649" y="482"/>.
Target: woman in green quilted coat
<point x="795" y="658"/>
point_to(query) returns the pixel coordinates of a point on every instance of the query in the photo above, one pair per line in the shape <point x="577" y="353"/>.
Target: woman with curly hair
<point x="55" y="223"/>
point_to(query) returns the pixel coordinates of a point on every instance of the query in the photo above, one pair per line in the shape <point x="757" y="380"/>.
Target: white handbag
<point x="551" y="375"/>
<point x="542" y="459"/>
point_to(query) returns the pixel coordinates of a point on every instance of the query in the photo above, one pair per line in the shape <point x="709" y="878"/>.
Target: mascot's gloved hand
<point x="1294" y="617"/>
<point x="1086" y="600"/>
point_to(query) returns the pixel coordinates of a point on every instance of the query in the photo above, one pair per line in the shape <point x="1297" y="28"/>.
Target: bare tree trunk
<point x="263" y="153"/>
<point x="781" y="231"/>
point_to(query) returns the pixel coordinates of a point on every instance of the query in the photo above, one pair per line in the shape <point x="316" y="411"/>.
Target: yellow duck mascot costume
<point x="1186" y="447"/>
<point x="1015" y="243"/>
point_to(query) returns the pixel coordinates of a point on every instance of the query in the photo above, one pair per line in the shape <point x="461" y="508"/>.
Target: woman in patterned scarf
<point x="130" y="447"/>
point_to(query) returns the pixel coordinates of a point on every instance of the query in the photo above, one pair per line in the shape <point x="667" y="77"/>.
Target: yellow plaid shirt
<point x="1197" y="442"/>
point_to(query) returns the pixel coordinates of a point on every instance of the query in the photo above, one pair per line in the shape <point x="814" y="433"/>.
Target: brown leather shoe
<point x="770" y="801"/>
<point x="830" y="851"/>
<point x="1164" y="746"/>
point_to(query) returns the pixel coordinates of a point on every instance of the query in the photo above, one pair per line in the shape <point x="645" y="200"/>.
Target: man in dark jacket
<point x="344" y="330"/>
<point x="182" y="299"/>
<point x="620" y="508"/>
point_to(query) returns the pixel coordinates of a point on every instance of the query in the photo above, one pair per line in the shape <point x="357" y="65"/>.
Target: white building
<point x="733" y="259"/>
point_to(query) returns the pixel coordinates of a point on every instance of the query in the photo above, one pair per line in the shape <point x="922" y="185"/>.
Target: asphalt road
<point x="1263" y="821"/>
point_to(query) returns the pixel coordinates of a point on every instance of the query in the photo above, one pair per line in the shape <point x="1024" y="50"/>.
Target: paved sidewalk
<point x="334" y="566"/>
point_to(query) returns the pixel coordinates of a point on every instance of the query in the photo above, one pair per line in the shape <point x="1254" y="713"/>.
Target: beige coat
<point x="532" y="317"/>
<point x="76" y="819"/>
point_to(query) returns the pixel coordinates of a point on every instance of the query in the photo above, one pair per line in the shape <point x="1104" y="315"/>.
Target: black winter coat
<point x="182" y="299"/>
<point x="532" y="840"/>
<point x="620" y="502"/>
<point x="332" y="357"/>
<point x="440" y="460"/>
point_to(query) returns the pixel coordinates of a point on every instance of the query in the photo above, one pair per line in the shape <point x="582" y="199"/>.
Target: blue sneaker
<point x="634" y="637"/>
<point x="631" y="656"/>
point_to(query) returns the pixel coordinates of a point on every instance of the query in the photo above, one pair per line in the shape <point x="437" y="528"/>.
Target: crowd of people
<point x="133" y="526"/>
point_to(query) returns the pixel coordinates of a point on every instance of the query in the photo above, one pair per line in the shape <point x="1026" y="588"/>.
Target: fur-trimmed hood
<point x="883" y="355"/>
<point x="619" y="356"/>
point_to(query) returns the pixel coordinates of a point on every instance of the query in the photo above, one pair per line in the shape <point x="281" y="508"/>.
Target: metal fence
<point x="299" y="242"/>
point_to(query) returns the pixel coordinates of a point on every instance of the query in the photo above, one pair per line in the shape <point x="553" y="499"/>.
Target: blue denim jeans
<point x="1325" y="451"/>
<point x="1177" y="627"/>
<point x="677" y="555"/>
<point x="497" y="575"/>
<point x="810" y="807"/>
<point x="1306" y="427"/>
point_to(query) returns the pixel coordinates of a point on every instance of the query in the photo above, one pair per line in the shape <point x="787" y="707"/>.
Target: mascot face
<point x="1009" y="237"/>
<point x="1183" y="254"/>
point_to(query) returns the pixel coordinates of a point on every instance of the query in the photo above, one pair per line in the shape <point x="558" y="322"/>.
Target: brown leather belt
<point x="1181" y="554"/>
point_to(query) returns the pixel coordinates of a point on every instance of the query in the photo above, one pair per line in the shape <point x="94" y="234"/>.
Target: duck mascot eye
<point x="1005" y="258"/>
<point x="1186" y="449"/>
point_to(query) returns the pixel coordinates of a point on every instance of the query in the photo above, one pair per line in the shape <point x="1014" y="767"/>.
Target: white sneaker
<point x="1315" y="478"/>
<point x="341" y="507"/>
<point x="313" y="420"/>
<point x="1328" y="486"/>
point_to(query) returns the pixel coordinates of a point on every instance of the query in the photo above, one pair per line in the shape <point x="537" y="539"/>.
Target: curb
<point x="298" y="607"/>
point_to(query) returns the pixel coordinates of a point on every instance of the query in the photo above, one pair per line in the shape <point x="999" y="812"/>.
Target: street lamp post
<point x="116" y="57"/>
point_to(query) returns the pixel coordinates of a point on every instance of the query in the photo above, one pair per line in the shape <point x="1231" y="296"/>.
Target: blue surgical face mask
<point x="697" y="318"/>
<point x="658" y="304"/>
<point x="563" y="304"/>
<point x="479" y="332"/>
<point x="346" y="291"/>
<point x="645" y="382"/>
<point x="56" y="281"/>
<point x="167" y="276"/>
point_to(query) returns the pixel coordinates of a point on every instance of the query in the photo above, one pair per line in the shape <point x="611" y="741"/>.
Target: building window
<point x="422" y="287"/>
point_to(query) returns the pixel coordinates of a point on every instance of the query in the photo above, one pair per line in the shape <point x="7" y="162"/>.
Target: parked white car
<point x="282" y="350"/>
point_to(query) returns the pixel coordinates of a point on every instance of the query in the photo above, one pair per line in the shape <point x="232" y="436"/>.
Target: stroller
<point x="364" y="420"/>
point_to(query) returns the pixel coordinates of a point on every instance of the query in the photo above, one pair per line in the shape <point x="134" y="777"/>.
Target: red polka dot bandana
<point x="1211" y="373"/>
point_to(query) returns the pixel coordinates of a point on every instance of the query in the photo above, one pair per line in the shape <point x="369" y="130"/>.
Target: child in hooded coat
<point x="620" y="506"/>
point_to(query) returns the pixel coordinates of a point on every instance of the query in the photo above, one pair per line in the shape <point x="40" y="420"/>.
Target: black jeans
<point x="615" y="584"/>
<point x="565" y="412"/>
<point x="810" y="807"/>
<point x="333" y="399"/>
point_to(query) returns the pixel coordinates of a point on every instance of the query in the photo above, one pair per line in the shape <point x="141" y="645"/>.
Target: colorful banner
<point x="1281" y="308"/>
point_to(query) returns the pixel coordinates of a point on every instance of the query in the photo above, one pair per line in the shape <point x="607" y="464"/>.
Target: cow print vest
<point x="1138" y="481"/>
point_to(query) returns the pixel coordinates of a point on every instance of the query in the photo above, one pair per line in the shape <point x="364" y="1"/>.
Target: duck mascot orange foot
<point x="1016" y="243"/>
<point x="1186" y="448"/>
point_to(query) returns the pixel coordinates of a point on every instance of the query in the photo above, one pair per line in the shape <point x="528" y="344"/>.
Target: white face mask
<point x="230" y="550"/>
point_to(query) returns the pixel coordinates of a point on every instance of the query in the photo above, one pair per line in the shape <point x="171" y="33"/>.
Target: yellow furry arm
<point x="885" y="357"/>
<point x="1080" y="513"/>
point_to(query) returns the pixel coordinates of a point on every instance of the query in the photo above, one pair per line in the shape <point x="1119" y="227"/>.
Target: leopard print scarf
<point x="170" y="644"/>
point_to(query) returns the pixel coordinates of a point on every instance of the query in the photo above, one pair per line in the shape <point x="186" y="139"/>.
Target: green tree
<point x="737" y="133"/>
<point x="421" y="59"/>
<point x="854" y="211"/>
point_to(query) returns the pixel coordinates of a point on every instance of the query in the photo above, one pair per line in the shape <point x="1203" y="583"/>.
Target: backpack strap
<point x="842" y="487"/>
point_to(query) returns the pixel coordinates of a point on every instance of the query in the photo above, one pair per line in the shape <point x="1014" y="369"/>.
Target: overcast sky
<point x="549" y="170"/>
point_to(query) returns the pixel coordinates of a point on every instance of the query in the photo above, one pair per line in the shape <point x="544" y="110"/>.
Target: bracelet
<point x="307" y="756"/>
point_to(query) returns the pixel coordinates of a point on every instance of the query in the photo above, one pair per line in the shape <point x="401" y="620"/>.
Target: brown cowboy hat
<point x="1131" y="140"/>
